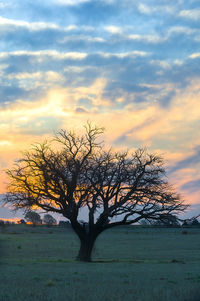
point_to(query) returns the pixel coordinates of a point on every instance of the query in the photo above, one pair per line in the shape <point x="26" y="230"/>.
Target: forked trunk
<point x="85" y="251"/>
<point x="87" y="239"/>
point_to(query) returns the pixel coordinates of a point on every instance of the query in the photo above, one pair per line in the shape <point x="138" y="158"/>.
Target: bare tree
<point x="74" y="171"/>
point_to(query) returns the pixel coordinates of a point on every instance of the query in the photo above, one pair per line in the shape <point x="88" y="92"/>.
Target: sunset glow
<point x="129" y="66"/>
<point x="10" y="220"/>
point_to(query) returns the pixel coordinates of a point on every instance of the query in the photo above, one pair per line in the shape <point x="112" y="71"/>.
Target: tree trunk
<point x="87" y="239"/>
<point x="86" y="248"/>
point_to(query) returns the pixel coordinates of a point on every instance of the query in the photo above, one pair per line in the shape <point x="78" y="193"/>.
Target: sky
<point x="132" y="67"/>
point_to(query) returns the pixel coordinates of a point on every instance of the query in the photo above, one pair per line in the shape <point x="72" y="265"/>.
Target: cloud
<point x="143" y="8"/>
<point x="81" y="110"/>
<point x="186" y="182"/>
<point x="113" y="29"/>
<point x="9" y="24"/>
<point x="193" y="14"/>
<point x="30" y="72"/>
<point x="138" y="126"/>
<point x="192" y="160"/>
<point x="194" y="55"/>
<point x="182" y="30"/>
<point x="46" y="53"/>
<point x="131" y="54"/>
<point x="192" y="186"/>
<point x="147" y="38"/>
<point x="86" y="102"/>
<point x="39" y="126"/>
<point x="131" y="66"/>
<point x="160" y="7"/>
<point x="165" y="128"/>
<point x="70" y="2"/>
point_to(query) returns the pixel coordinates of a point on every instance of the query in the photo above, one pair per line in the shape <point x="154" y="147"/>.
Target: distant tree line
<point x="191" y="222"/>
<point x="172" y="221"/>
<point x="34" y="218"/>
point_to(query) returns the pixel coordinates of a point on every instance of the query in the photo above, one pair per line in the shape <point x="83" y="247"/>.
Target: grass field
<point x="129" y="263"/>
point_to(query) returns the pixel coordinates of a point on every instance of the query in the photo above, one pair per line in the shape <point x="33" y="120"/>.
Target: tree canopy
<point x="74" y="171"/>
<point x="49" y="220"/>
<point x="33" y="217"/>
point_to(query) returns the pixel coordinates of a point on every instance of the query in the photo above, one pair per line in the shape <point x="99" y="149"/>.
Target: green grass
<point x="129" y="263"/>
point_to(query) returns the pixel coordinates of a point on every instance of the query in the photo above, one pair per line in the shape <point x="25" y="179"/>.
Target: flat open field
<point x="130" y="263"/>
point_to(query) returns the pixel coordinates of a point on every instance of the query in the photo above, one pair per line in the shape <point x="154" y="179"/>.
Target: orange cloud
<point x="172" y="131"/>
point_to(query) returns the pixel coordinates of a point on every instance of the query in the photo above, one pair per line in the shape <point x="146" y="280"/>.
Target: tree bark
<point x="86" y="247"/>
<point x="87" y="238"/>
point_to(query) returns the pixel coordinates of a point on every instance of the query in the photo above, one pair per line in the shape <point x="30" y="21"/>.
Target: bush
<point x="64" y="224"/>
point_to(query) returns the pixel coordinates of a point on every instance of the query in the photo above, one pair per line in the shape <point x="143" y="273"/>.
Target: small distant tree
<point x="191" y="221"/>
<point x="33" y="217"/>
<point x="49" y="220"/>
<point x="74" y="171"/>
